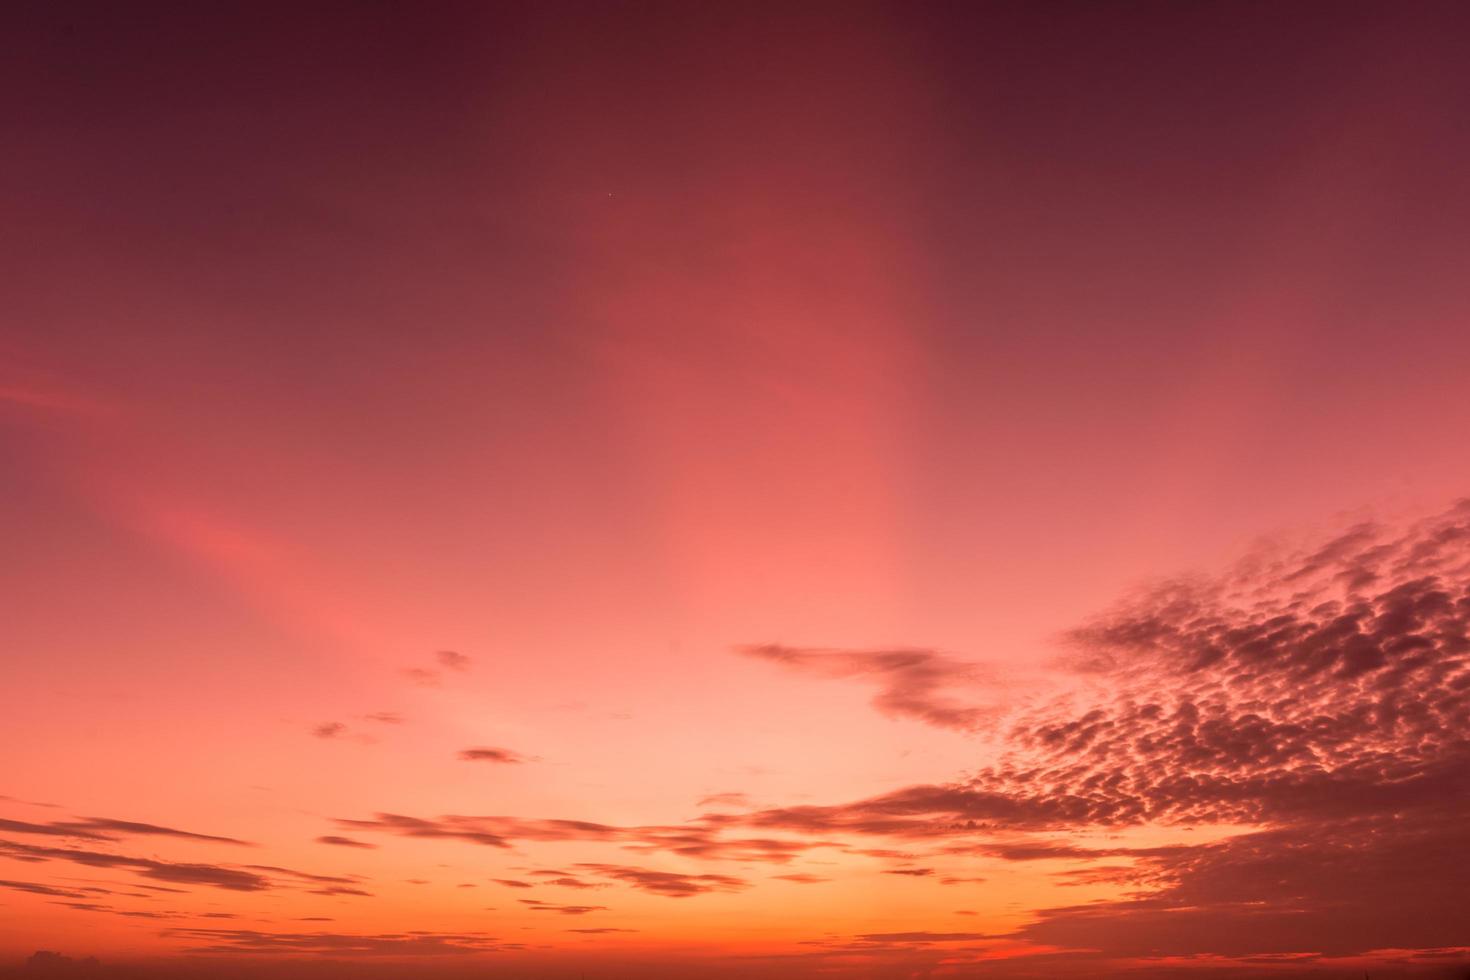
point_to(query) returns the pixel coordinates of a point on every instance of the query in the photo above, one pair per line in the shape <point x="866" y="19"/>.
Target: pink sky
<point x="735" y="489"/>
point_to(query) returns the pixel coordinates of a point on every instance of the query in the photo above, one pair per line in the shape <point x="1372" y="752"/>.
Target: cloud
<point x="801" y="878"/>
<point x="217" y="876"/>
<point x="46" y="963"/>
<point x="432" y="677"/>
<point x="329" y="729"/>
<point x="340" y="890"/>
<point x="568" y="881"/>
<point x="703" y="840"/>
<point x="922" y="937"/>
<point x="108" y="829"/>
<point x="38" y="889"/>
<point x="130" y="828"/>
<point x="450" y="660"/>
<point x="451" y="828"/>
<point x="512" y="883"/>
<point x="911" y="872"/>
<point x="1320" y="695"/>
<point x="483" y="754"/>
<point x="603" y="930"/>
<point x="911" y="682"/>
<point x="304" y="875"/>
<point x="336" y="944"/>
<point x="385" y="717"/>
<point x="667" y="883"/>
<point x="49" y="829"/>
<point x="422" y="676"/>
<point x="738" y="800"/>
<point x="345" y="842"/>
<point x="538" y="906"/>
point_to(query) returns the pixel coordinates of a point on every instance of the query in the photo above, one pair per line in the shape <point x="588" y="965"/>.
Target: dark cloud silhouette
<point x="329" y="729"/>
<point x="669" y="883"/>
<point x="340" y="890"/>
<point x="108" y="829"/>
<point x="345" y="842"/>
<point x="1322" y="694"/>
<point x="217" y="876"/>
<point x="304" y="875"/>
<point x="484" y="754"/>
<point x="567" y="881"/>
<point x="133" y="828"/>
<point x="563" y="879"/>
<point x="703" y="840"/>
<point x="38" y="889"/>
<point x="422" y="676"/>
<point x="512" y="883"/>
<point x="539" y="906"/>
<point x="385" y="717"/>
<point x="47" y="963"/>
<point x="49" y="830"/>
<point x="335" y="944"/>
<point x="911" y="683"/>
<point x="451" y="660"/>
<point x="922" y="937"/>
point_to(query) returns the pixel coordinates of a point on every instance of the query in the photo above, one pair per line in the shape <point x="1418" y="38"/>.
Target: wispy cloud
<point x="912" y="683"/>
<point x="486" y="754"/>
<point x="345" y="842"/>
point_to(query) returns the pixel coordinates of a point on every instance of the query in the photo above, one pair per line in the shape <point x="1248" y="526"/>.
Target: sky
<point x="760" y="490"/>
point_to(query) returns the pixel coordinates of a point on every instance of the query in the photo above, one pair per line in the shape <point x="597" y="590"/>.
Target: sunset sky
<point x="735" y="490"/>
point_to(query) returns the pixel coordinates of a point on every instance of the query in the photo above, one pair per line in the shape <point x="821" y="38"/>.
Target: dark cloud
<point x="46" y="963"/>
<point x="911" y="683"/>
<point x="133" y="828"/>
<point x="12" y="799"/>
<point x="451" y="660"/>
<point x="49" y="830"/>
<point x="304" y="875"/>
<point x="801" y="878"/>
<point x="1321" y="694"/>
<point x="703" y="840"/>
<point x="922" y="937"/>
<point x="567" y="881"/>
<point x="911" y="872"/>
<point x="329" y="729"/>
<point x="669" y="883"/>
<point x="108" y="829"/>
<point x="422" y="676"/>
<point x="335" y="944"/>
<point x="452" y="828"/>
<point x="484" y="754"/>
<point x="539" y="906"/>
<point x="385" y="717"/>
<point x="217" y="876"/>
<point x="340" y="890"/>
<point x="344" y="842"/>
<point x="432" y="677"/>
<point x="512" y="883"/>
<point x="600" y="931"/>
<point x="38" y="889"/>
